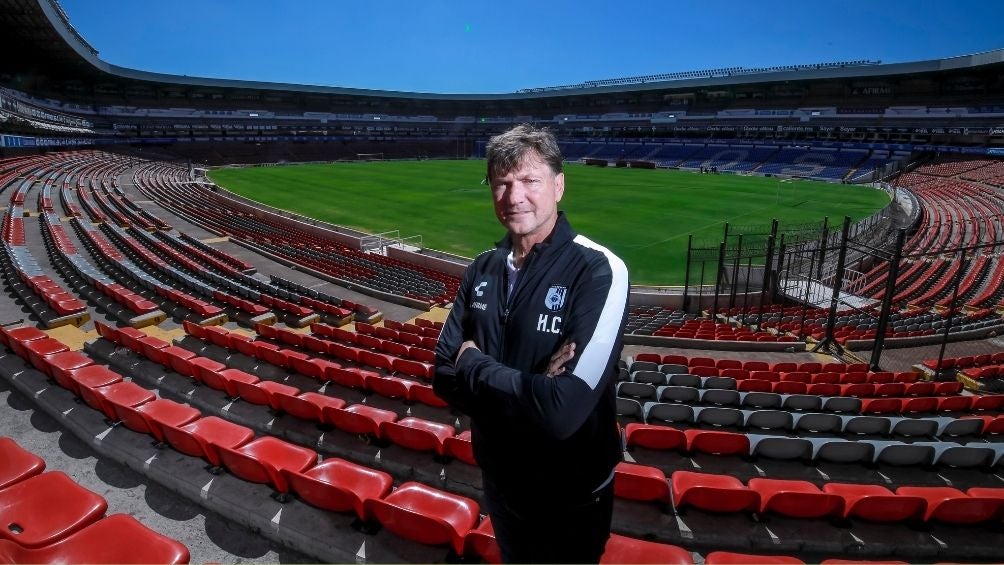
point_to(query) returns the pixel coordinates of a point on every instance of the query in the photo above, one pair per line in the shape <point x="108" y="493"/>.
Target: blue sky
<point x="468" y="46"/>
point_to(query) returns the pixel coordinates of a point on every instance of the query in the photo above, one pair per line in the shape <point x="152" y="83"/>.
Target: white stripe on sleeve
<point x="595" y="356"/>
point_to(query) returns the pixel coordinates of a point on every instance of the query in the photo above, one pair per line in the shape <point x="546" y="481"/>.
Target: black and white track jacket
<point x="538" y="437"/>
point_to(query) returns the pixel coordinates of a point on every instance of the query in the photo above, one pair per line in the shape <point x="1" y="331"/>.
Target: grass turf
<point x="644" y="216"/>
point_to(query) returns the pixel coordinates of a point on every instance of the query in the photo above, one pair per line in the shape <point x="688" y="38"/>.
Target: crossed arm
<point x="557" y="400"/>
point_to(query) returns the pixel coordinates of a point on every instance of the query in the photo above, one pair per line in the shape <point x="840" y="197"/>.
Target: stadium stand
<point x="226" y="367"/>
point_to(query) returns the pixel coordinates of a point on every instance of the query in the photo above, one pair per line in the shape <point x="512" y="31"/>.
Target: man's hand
<point x="564" y="354"/>
<point x="463" y="347"/>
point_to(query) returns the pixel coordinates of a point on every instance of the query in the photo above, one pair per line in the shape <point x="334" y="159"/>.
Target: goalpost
<point x="369" y="156"/>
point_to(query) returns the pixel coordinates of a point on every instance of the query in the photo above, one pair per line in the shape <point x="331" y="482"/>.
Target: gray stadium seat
<point x="718" y="416"/>
<point x="629" y="407"/>
<point x="819" y="422"/>
<point x="664" y="412"/>
<point x="842" y="404"/>
<point x="644" y="366"/>
<point x="724" y="383"/>
<point x="769" y="419"/>
<point x="951" y="454"/>
<point x="684" y="394"/>
<point x="842" y="451"/>
<point x="720" y="397"/>
<point x="684" y="379"/>
<point x="673" y="369"/>
<point x="914" y="427"/>
<point x="802" y="402"/>
<point x="902" y="454"/>
<point x="952" y="427"/>
<point x="780" y="447"/>
<point x="650" y="377"/>
<point x="866" y="425"/>
<point x="636" y="390"/>
<point x="760" y="399"/>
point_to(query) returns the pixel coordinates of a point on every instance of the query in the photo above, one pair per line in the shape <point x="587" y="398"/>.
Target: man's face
<point x="526" y="198"/>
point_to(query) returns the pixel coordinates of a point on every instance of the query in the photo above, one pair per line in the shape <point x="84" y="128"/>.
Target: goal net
<point x="369" y="156"/>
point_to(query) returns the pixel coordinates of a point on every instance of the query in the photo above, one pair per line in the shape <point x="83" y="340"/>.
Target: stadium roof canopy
<point x="53" y="59"/>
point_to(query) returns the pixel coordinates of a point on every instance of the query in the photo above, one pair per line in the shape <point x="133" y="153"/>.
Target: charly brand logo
<point x="479" y="292"/>
<point x="555" y="298"/>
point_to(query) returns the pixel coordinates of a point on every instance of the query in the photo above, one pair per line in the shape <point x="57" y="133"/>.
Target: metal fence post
<point x="890" y="291"/>
<point x="718" y="276"/>
<point x="831" y="319"/>
<point x="951" y="311"/>
<point x="686" y="273"/>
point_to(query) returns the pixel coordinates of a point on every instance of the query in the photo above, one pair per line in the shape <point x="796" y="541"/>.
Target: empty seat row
<point x="805" y="500"/>
<point x="822" y="423"/>
<point x="640" y="382"/>
<point x="833" y="449"/>
<point x="632" y="395"/>
<point x="324" y="370"/>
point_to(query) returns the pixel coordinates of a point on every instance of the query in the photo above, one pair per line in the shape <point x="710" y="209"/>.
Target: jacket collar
<point x="561" y="233"/>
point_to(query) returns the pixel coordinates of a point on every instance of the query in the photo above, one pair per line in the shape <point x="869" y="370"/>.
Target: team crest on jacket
<point x="555" y="298"/>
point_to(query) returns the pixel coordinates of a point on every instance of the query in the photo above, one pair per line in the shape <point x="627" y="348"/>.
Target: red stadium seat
<point x="263" y="393"/>
<point x="151" y="417"/>
<point x="201" y="437"/>
<point x="716" y="442"/>
<point x="179" y="360"/>
<point x="480" y="543"/>
<point x="426" y="515"/>
<point x="262" y="460"/>
<point x="358" y="418"/>
<point x="151" y="348"/>
<point x="206" y="368"/>
<point x="17" y="463"/>
<point x="241" y="343"/>
<point x="312" y="367"/>
<point x="729" y="558"/>
<point x="621" y="549"/>
<point x="125" y="393"/>
<point x="714" y="493"/>
<point x="654" y="437"/>
<point x="460" y="447"/>
<point x="16" y="338"/>
<point x="796" y="499"/>
<point x="43" y="509"/>
<point x="349" y="377"/>
<point x="954" y="403"/>
<point x="306" y="405"/>
<point x="649" y="357"/>
<point x="951" y="505"/>
<point x="37" y="349"/>
<point x="876" y="503"/>
<point x="227" y="380"/>
<point x="756" y="366"/>
<point x="853" y="377"/>
<point x="119" y="538"/>
<point x="92" y="376"/>
<point x="60" y="366"/>
<point x="418" y="434"/>
<point x="339" y="485"/>
<point x="389" y="387"/>
<point x="640" y="482"/>
<point x="424" y="394"/>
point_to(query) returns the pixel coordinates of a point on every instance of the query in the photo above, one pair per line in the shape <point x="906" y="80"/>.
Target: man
<point x="530" y="353"/>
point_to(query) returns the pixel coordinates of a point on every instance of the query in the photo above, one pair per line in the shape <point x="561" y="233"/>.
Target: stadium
<point x="223" y="298"/>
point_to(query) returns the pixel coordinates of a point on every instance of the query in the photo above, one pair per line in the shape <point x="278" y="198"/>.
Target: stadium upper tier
<point x="55" y="63"/>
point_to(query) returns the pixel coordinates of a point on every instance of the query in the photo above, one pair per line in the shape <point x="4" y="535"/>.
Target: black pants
<point x="546" y="533"/>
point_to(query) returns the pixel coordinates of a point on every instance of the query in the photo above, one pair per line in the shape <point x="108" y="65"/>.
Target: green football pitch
<point x="644" y="216"/>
